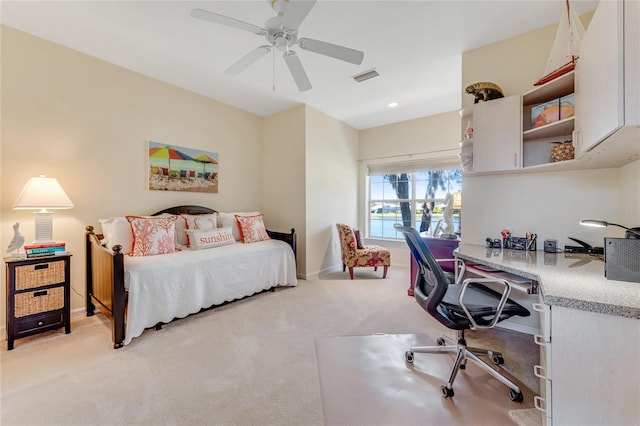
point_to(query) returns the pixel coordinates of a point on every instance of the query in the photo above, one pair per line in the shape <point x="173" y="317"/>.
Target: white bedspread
<point x="169" y="286"/>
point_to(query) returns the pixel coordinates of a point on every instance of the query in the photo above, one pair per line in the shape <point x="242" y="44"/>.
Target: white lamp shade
<point x="42" y="193"/>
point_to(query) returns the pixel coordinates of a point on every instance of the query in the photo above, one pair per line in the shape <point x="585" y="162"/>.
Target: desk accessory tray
<point x="521" y="243"/>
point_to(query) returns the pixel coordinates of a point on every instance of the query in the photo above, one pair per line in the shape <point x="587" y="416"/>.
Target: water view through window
<point x="428" y="201"/>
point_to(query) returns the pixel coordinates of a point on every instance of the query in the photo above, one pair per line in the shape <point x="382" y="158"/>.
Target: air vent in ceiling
<point x="366" y="75"/>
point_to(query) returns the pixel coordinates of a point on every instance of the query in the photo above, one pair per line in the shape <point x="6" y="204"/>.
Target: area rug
<point x="365" y="380"/>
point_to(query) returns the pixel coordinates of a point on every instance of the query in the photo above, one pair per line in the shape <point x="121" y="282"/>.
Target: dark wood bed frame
<point x="105" y="273"/>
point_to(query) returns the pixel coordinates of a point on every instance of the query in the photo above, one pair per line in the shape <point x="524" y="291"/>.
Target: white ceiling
<point x="416" y="47"/>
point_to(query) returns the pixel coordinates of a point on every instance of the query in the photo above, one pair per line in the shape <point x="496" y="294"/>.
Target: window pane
<point x="375" y="187"/>
<point x="382" y="217"/>
<point x="425" y="212"/>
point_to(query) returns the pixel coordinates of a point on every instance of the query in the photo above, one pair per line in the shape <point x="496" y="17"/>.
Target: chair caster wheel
<point x="408" y="356"/>
<point x="497" y="359"/>
<point x="516" y="396"/>
<point x="440" y="341"/>
<point x="463" y="366"/>
<point x="446" y="392"/>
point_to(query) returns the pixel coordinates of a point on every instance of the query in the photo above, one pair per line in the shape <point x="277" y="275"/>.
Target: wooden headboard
<point x="185" y="210"/>
<point x="289" y="238"/>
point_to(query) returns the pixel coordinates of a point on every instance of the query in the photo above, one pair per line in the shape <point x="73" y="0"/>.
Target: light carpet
<point x="365" y="381"/>
<point x="251" y="362"/>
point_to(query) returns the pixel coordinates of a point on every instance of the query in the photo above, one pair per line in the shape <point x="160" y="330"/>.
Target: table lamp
<point x="630" y="232"/>
<point x="43" y="193"/>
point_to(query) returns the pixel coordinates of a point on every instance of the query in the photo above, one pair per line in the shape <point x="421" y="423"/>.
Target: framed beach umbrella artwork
<point x="177" y="168"/>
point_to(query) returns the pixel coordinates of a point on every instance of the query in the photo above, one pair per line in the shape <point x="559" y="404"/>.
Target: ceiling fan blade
<point x="244" y="62"/>
<point x="225" y="20"/>
<point x="295" y="12"/>
<point x="297" y="71"/>
<point x="333" y="50"/>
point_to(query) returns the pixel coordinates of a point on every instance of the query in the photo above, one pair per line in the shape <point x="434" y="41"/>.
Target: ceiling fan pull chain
<point x="273" y="70"/>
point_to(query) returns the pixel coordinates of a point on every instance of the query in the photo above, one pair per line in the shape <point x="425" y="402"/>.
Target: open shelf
<point x="562" y="127"/>
<point x="562" y="85"/>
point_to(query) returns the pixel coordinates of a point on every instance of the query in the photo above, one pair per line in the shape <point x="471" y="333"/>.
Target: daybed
<point x="139" y="292"/>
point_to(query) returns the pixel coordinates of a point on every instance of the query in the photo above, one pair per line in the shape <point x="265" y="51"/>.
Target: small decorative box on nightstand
<point x="38" y="295"/>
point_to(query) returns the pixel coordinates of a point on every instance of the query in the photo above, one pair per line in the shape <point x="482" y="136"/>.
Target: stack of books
<point x="45" y="249"/>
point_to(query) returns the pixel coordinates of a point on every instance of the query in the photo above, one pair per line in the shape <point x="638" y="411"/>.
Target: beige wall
<point x="87" y="123"/>
<point x="283" y="182"/>
<point x="310" y="182"/>
<point x="331" y="185"/>
<point x="422" y="135"/>
<point x="513" y="64"/>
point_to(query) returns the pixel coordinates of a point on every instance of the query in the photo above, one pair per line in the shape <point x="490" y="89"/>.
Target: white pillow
<point x="200" y="222"/>
<point x="182" y="240"/>
<point x="229" y="220"/>
<point x="117" y="230"/>
<point x="212" y="238"/>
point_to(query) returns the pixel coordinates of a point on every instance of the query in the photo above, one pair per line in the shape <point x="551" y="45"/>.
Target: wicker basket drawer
<point x="38" y="301"/>
<point x="39" y="274"/>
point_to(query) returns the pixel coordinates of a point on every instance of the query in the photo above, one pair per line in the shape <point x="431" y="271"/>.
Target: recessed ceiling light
<point x="393" y="104"/>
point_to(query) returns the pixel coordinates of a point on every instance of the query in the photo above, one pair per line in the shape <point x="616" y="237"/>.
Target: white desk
<point x="590" y="336"/>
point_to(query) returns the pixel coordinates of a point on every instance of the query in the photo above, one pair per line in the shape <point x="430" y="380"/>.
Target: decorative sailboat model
<point x="564" y="52"/>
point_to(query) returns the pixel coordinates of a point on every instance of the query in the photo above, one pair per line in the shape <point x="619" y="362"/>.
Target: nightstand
<point x="38" y="295"/>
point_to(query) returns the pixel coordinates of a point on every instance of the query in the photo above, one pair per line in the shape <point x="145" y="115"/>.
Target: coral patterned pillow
<point x="252" y="228"/>
<point x="229" y="219"/>
<point x="152" y="235"/>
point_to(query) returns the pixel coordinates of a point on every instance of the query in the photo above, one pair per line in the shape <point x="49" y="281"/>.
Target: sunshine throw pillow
<point x="152" y="235"/>
<point x="252" y="228"/>
<point x="214" y="238"/>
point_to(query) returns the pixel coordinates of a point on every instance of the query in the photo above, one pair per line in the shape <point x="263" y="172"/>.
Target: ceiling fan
<point x="281" y="33"/>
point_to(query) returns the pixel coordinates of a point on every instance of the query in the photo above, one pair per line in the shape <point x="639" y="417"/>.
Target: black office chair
<point x="460" y="306"/>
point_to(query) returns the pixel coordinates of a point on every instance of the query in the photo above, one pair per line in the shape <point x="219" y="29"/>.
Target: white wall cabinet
<point x="605" y="131"/>
<point x="497" y="136"/>
<point x="608" y="74"/>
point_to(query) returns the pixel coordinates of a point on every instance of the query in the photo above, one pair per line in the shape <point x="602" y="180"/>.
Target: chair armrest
<point x="503" y="300"/>
<point x="460" y="270"/>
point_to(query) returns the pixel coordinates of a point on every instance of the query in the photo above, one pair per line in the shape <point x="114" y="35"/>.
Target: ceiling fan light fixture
<point x="278" y="6"/>
<point x="366" y="75"/>
<point x="281" y="32"/>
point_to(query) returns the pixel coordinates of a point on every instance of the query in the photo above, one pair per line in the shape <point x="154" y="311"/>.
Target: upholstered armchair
<point x="352" y="256"/>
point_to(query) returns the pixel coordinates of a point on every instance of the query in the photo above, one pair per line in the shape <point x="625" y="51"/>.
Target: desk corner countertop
<point x="570" y="280"/>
